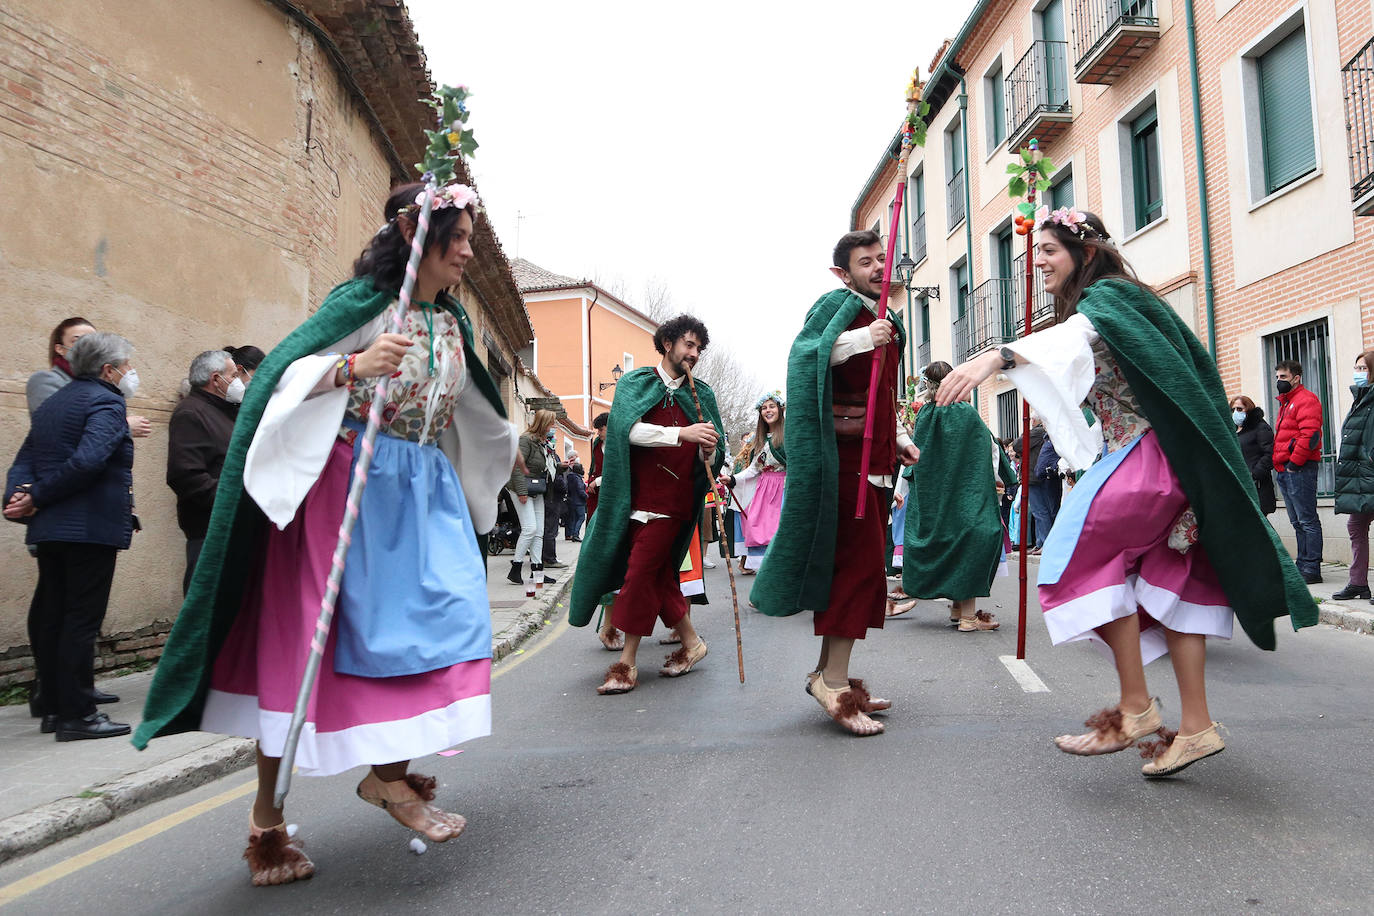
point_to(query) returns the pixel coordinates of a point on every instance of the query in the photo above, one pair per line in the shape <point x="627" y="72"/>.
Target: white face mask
<point x="234" y="393"/>
<point x="1238" y="416"/>
<point x="128" y="383"/>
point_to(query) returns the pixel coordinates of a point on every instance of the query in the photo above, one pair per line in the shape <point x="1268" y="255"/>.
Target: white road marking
<point x="1030" y="682"/>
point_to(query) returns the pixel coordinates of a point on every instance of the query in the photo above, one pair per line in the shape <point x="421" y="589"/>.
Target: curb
<point x="29" y="831"/>
<point x="32" y="830"/>
<point x="530" y="621"/>
<point x="1338" y="615"/>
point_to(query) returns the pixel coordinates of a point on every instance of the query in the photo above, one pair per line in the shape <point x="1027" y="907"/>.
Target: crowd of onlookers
<point x="71" y="485"/>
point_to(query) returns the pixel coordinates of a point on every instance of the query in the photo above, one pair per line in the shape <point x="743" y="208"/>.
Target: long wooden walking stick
<point x="445" y="143"/>
<point x="1029" y="175"/>
<point x="913" y="134"/>
<point x="720" y="533"/>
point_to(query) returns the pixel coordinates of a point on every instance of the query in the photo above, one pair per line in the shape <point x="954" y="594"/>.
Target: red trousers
<point x="651" y="588"/>
<point x="858" y="587"/>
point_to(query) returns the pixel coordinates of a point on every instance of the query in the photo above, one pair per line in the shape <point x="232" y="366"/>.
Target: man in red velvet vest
<point x="667" y="450"/>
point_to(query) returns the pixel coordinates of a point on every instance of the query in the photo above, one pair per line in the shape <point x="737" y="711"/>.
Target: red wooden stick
<point x="878" y="351"/>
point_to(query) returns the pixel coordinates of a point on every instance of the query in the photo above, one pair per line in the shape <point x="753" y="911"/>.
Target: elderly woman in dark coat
<point x="1257" y="447"/>
<point x="1355" y="476"/>
<point x="72" y="485"/>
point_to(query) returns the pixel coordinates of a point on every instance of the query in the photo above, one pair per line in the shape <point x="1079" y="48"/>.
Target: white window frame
<point x="627" y="361"/>
<point x="1126" y="167"/>
<point x="1293" y="18"/>
<point x="990" y="111"/>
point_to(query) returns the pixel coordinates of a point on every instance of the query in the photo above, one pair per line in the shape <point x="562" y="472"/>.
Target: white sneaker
<point x="709" y="565"/>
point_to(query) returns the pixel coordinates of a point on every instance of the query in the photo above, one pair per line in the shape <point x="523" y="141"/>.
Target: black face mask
<point x="1284" y="386"/>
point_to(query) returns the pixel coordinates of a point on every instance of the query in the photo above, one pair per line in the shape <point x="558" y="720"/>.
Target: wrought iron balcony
<point x="922" y="355"/>
<point x="917" y="240"/>
<point x="1037" y="93"/>
<point x="954" y="199"/>
<point x="1110" y="36"/>
<point x="1357" y="78"/>
<point x="990" y="319"/>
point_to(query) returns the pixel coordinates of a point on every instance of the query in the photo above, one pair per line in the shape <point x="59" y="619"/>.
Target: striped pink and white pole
<point x="350" y="519"/>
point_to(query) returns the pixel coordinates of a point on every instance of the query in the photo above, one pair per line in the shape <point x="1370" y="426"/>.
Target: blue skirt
<point x="414" y="593"/>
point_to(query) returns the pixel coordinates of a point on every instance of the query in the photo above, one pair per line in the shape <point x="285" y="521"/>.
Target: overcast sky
<point x="714" y="147"/>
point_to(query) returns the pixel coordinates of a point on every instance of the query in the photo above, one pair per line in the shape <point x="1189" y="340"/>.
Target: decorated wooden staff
<point x="1029" y="175"/>
<point x="449" y="141"/>
<point x="720" y="534"/>
<point x="913" y="134"/>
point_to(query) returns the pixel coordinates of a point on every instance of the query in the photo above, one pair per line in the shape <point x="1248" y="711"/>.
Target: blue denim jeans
<point x="1299" y="489"/>
<point x="1043" y="508"/>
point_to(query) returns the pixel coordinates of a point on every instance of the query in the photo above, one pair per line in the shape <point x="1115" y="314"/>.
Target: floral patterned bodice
<point x="767" y="459"/>
<point x="1112" y="399"/>
<point x="419" y="406"/>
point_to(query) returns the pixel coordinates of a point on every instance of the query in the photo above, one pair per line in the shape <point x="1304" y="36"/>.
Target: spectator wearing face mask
<point x="197" y="440"/>
<point x="1256" y="438"/>
<point x="1297" y="456"/>
<point x="247" y="358"/>
<point x="1355" y="477"/>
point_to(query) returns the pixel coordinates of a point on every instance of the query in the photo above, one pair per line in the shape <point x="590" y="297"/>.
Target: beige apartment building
<point x="193" y="174"/>
<point x="1228" y="146"/>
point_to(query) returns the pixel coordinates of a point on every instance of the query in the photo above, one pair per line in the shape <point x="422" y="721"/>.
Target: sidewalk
<point x="49" y="791"/>
<point x="1356" y="614"/>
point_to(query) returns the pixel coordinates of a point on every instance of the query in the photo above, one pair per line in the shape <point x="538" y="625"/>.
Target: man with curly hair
<point x="658" y="464"/>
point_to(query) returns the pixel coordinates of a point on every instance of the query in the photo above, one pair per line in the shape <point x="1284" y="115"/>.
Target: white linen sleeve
<point x="850" y="344"/>
<point x="1055" y="379"/>
<point x="653" y="435"/>
<point x="901" y="487"/>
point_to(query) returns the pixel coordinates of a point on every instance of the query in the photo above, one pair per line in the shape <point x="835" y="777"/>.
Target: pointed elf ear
<point x="407" y="227"/>
<point x="842" y="274"/>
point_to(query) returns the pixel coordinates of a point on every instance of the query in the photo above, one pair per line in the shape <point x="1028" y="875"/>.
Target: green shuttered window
<point x="1285" y="95"/>
<point x="1145" y="170"/>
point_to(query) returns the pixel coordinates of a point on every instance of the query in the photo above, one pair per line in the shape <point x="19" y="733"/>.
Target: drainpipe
<point x="968" y="193"/>
<point x="1209" y="288"/>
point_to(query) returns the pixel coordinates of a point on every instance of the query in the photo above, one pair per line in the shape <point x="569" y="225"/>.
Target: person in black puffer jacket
<point x="1257" y="447"/>
<point x="1355" y="477"/>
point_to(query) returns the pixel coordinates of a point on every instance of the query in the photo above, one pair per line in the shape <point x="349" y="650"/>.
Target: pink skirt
<point x="765" y="509"/>
<point x="351" y="721"/>
<point x="1108" y="555"/>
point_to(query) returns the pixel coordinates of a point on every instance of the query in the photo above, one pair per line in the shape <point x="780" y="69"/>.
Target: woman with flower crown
<point x="406" y="669"/>
<point x="758" y="487"/>
<point x="1161" y="544"/>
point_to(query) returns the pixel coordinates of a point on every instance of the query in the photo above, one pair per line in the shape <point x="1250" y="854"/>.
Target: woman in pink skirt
<point x="406" y="669"/>
<point x="1161" y="544"/>
<point x="759" y="486"/>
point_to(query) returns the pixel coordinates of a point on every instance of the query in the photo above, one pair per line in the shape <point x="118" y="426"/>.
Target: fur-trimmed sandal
<point x="275" y="858"/>
<point x="408" y="801"/>
<point x="871" y="703"/>
<point x="620" y="678"/>
<point x="1112" y="731"/>
<point x="683" y="660"/>
<point x="846" y="706"/>
<point x="1174" y="752"/>
<point x="611" y="639"/>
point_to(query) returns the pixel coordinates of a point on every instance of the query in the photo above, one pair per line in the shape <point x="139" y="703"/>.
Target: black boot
<point x="514" y="576"/>
<point x="539" y="574"/>
<point x="1351" y="591"/>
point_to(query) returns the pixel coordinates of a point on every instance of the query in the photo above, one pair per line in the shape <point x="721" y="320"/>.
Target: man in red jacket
<point x="1297" y="455"/>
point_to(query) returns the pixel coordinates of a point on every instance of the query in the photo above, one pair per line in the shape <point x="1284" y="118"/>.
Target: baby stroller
<point x="507" y="530"/>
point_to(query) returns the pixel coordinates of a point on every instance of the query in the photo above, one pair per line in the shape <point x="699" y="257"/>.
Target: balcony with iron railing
<point x="922" y="355"/>
<point x="997" y="312"/>
<point x="954" y="199"/>
<point x="916" y="242"/>
<point x="1111" y="35"/>
<point x="1037" y="95"/>
<point x="1357" y="78"/>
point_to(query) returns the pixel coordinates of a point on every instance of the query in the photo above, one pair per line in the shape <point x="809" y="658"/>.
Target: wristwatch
<point x="1008" y="358"/>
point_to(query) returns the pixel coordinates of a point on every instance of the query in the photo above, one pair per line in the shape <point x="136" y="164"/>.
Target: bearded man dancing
<point x="828" y="373"/>
<point x="658" y="466"/>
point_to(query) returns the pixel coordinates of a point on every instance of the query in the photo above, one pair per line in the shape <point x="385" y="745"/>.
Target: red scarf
<point x="60" y="362"/>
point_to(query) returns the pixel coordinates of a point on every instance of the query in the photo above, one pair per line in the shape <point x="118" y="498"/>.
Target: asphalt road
<point x="702" y="795"/>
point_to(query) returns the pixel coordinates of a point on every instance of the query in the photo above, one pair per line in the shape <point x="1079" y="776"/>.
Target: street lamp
<point x="904" y="269"/>
<point x="616" y="373"/>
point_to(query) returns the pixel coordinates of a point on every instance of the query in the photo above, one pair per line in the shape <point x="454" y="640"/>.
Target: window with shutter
<point x="1145" y="168"/>
<point x="997" y="108"/>
<point x="1285" y="97"/>
<point x="1061" y="193"/>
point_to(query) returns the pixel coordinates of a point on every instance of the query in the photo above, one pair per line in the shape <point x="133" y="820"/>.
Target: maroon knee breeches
<point x="651" y="588"/>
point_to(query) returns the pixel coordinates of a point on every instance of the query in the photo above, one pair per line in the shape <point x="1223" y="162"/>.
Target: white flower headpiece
<point x="774" y="395"/>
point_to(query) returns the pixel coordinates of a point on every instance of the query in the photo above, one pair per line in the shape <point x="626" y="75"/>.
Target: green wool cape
<point x="177" y="694"/>
<point x="797" y="568"/>
<point x="606" y="547"/>
<point x="1178" y="388"/>
<point x="952" y="544"/>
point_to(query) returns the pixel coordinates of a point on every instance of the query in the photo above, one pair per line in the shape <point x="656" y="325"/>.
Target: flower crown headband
<point x="1076" y="221"/>
<point x="773" y="395"/>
